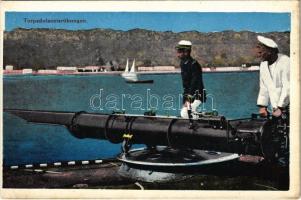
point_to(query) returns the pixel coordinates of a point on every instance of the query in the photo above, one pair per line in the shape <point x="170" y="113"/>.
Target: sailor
<point x="274" y="78"/>
<point x="192" y="79"/>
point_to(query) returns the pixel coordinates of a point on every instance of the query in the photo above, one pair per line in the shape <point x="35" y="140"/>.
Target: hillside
<point x="48" y="48"/>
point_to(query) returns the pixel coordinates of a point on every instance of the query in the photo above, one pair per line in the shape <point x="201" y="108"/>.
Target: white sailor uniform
<point x="274" y="83"/>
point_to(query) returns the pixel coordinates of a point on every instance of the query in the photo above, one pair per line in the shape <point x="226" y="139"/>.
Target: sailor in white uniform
<point x="274" y="78"/>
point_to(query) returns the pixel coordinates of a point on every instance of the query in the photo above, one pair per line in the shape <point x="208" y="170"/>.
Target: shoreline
<point x="176" y="71"/>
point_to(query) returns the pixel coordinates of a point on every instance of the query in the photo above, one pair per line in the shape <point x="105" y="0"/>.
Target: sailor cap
<point x="267" y="41"/>
<point x="184" y="44"/>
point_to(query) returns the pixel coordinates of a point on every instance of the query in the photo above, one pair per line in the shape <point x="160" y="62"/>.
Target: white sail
<point x="133" y="70"/>
<point x="130" y="75"/>
<point x="127" y="66"/>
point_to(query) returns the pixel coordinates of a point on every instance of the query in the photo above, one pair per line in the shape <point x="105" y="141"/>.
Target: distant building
<point x="157" y="68"/>
<point x="47" y="71"/>
<point x="9" y="67"/>
<point x="27" y="71"/>
<point x="250" y="64"/>
<point x="89" y="69"/>
<point x="63" y="69"/>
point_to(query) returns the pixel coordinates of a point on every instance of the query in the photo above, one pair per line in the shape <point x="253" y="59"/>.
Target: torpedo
<point x="171" y="142"/>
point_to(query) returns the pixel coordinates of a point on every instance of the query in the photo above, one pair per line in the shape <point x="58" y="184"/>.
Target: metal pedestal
<point x="161" y="164"/>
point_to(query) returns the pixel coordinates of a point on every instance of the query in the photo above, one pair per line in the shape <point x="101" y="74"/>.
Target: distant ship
<point x="131" y="76"/>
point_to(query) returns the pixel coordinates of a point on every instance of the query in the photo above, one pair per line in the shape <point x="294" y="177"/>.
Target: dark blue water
<point x="232" y="94"/>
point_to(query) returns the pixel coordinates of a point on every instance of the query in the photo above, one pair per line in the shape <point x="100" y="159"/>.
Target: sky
<point x="156" y="21"/>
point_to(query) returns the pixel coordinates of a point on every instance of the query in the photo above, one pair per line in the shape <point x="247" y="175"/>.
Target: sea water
<point x="232" y="94"/>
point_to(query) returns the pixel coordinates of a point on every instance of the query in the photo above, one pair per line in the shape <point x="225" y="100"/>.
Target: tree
<point x="147" y="63"/>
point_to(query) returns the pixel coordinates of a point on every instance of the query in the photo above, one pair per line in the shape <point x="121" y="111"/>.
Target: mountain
<point x="49" y="48"/>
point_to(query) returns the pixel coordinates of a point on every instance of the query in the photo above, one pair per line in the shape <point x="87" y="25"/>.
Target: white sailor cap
<point x="184" y="44"/>
<point x="267" y="41"/>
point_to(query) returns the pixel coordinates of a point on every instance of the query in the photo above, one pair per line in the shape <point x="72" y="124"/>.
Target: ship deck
<point x="228" y="176"/>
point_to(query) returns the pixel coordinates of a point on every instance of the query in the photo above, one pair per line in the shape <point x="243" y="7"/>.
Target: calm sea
<point x="232" y="94"/>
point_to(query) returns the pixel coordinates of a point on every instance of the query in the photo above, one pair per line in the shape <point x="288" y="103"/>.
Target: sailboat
<point x="130" y="75"/>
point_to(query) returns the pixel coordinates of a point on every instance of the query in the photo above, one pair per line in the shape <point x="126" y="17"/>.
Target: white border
<point x="152" y="6"/>
<point x="175" y="6"/>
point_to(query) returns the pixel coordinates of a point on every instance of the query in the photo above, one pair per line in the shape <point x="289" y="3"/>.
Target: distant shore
<point x="49" y="48"/>
<point x="175" y="71"/>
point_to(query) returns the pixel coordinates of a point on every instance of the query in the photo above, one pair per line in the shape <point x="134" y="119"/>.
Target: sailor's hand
<point x="277" y="112"/>
<point x="263" y="112"/>
<point x="186" y="104"/>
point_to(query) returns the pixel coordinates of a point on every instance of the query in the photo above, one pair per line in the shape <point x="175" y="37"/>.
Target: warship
<point x="209" y="152"/>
